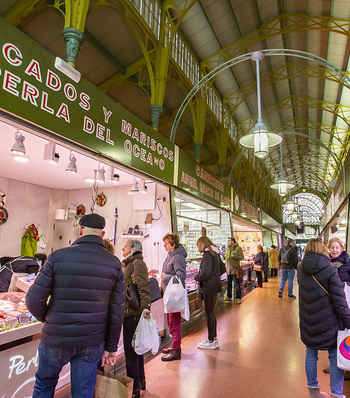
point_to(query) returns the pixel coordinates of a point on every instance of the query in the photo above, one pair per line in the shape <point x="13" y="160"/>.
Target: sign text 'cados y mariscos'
<point x="33" y="89"/>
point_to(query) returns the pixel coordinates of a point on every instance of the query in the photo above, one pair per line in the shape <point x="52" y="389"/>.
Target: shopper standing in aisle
<point x="210" y="284"/>
<point x="266" y="265"/>
<point x="273" y="260"/>
<point x="261" y="260"/>
<point x="84" y="315"/>
<point x="233" y="255"/>
<point x="288" y="259"/>
<point x="174" y="264"/>
<point x="323" y="311"/>
<point x="135" y="271"/>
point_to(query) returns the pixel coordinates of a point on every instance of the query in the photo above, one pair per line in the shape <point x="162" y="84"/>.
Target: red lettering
<point x="44" y="105"/>
<point x="63" y="112"/>
<point x="10" y="83"/>
<point x="108" y="137"/>
<point x="33" y="69"/>
<point x="99" y="131"/>
<point x="89" y="125"/>
<point x="70" y="92"/>
<point x="30" y="92"/>
<point x="84" y="101"/>
<point x="7" y="48"/>
<point x="53" y="81"/>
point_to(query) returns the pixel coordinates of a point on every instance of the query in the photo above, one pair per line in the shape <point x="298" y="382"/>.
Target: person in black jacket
<point x="288" y="267"/>
<point x="210" y="284"/>
<point x="323" y="311"/>
<point x="84" y="314"/>
<point x="261" y="258"/>
<point x="339" y="259"/>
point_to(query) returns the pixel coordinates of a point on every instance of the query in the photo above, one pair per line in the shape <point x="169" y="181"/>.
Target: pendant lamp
<point x="289" y="204"/>
<point x="282" y="185"/>
<point x="261" y="140"/>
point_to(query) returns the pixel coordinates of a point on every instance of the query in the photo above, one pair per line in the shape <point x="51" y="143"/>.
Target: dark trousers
<point x="273" y="272"/>
<point x="209" y="305"/>
<point x="237" y="285"/>
<point x="134" y="363"/>
<point x="266" y="274"/>
<point x="259" y="276"/>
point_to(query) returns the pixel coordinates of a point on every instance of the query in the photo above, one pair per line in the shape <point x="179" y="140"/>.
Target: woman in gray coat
<point x="174" y="264"/>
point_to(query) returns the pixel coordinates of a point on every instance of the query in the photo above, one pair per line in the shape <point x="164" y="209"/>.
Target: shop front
<point x="77" y="151"/>
<point x="202" y="208"/>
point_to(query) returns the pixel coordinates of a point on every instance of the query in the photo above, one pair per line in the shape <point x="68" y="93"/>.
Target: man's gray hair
<point x="92" y="231"/>
<point x="136" y="244"/>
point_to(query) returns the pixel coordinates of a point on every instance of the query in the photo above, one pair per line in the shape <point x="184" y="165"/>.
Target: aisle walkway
<point x="260" y="355"/>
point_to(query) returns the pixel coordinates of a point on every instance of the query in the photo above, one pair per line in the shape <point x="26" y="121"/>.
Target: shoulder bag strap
<point x="320" y="284"/>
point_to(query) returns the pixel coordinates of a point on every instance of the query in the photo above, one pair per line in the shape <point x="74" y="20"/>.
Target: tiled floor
<point x="260" y="355"/>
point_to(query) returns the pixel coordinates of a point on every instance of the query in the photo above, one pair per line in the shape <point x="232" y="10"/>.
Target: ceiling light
<point x="282" y="184"/>
<point x="100" y="174"/>
<point x="68" y="70"/>
<point x="295" y="215"/>
<point x="289" y="205"/>
<point x="50" y="153"/>
<point x="72" y="167"/>
<point x="18" y="147"/>
<point x="114" y="176"/>
<point x="260" y="139"/>
<point x="134" y="188"/>
<point x="89" y="180"/>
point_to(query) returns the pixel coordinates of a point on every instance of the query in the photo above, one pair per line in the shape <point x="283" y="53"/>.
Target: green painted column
<point x="155" y="111"/>
<point x="221" y="168"/>
<point x="73" y="38"/>
<point x="197" y="146"/>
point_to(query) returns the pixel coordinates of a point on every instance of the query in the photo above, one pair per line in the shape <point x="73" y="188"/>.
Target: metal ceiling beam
<point x="282" y="24"/>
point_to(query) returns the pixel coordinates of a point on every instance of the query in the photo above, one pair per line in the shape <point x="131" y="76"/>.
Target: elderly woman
<point x="174" y="264"/>
<point x="135" y="271"/>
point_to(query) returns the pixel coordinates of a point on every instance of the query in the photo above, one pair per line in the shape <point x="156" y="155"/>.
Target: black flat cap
<point x="92" y="221"/>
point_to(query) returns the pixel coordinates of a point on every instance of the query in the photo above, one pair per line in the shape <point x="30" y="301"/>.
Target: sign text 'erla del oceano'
<point x="196" y="180"/>
<point x="33" y="89"/>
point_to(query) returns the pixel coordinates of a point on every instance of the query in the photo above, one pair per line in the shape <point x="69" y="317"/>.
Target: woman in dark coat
<point x="260" y="259"/>
<point x="323" y="311"/>
<point x="135" y="271"/>
<point x="210" y="284"/>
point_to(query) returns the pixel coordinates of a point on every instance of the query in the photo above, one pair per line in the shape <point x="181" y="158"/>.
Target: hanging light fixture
<point x="289" y="205"/>
<point x="18" y="150"/>
<point x="261" y="140"/>
<point x="72" y="167"/>
<point x="282" y="185"/>
<point x="100" y="174"/>
<point x="134" y="188"/>
<point x="295" y="215"/>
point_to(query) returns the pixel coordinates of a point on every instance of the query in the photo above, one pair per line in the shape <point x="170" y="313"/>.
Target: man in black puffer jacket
<point x="84" y="315"/>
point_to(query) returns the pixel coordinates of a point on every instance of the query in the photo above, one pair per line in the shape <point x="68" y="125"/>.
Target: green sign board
<point x="197" y="181"/>
<point x="33" y="89"/>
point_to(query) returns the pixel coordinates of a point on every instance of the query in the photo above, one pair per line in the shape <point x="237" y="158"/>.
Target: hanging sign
<point x="196" y="180"/>
<point x="33" y="89"/>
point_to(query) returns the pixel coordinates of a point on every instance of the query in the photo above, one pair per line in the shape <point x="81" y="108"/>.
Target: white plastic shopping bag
<point x="146" y="337"/>
<point x="347" y="293"/>
<point x="185" y="313"/>
<point x="343" y="349"/>
<point x="174" y="296"/>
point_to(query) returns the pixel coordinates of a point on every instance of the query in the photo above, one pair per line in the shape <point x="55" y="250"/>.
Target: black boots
<point x="173" y="355"/>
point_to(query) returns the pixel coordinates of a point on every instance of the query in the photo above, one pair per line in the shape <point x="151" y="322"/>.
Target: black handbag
<point x="133" y="296"/>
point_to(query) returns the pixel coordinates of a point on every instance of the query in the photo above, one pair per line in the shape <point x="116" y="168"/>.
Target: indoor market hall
<point x="260" y="354"/>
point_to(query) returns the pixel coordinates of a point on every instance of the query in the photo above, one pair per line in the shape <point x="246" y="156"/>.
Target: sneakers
<point x="207" y="345"/>
<point x="238" y="301"/>
<point x="292" y="297"/>
<point x="280" y="294"/>
<point x="227" y="299"/>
